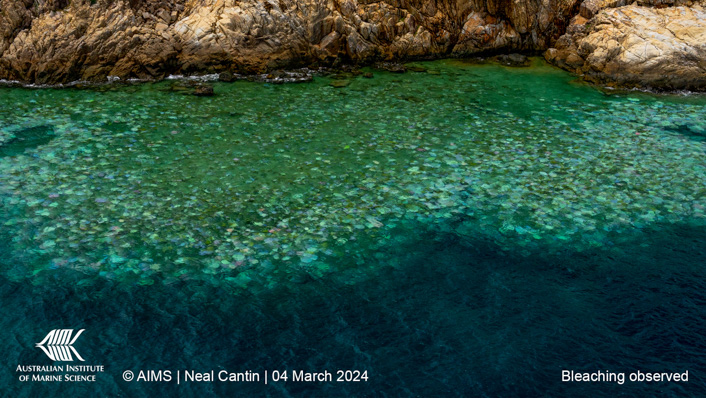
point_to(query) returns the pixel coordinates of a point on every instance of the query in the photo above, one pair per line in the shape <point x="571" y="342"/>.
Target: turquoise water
<point x="466" y="230"/>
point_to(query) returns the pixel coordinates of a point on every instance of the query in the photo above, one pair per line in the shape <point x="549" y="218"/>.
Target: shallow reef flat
<point x="264" y="184"/>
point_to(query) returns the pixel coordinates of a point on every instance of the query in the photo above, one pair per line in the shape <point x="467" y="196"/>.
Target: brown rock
<point x="635" y="46"/>
<point x="513" y="60"/>
<point x="655" y="43"/>
<point x="226" y="77"/>
<point x="391" y="67"/>
<point x="204" y="91"/>
<point x="61" y="41"/>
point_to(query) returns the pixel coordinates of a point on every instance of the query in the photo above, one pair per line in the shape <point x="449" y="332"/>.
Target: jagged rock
<point x="68" y="40"/>
<point x="60" y="41"/>
<point x="589" y="8"/>
<point x="636" y="46"/>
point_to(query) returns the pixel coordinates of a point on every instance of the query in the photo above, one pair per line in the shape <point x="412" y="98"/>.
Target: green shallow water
<point x="142" y="182"/>
<point x="265" y="190"/>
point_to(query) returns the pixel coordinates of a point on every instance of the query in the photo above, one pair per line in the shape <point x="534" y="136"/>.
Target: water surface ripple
<point x="460" y="230"/>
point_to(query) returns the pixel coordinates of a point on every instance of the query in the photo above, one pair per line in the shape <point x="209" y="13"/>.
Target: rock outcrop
<point x="53" y="41"/>
<point x="642" y="45"/>
<point x="651" y="43"/>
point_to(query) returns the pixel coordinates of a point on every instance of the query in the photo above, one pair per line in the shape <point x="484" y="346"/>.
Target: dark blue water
<point x="472" y="232"/>
<point x="460" y="319"/>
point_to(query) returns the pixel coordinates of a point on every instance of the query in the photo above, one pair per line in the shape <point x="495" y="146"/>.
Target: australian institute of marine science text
<point x="60" y="368"/>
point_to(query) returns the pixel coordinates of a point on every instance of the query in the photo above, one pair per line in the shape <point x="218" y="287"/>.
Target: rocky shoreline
<point x="641" y="45"/>
<point x="656" y="44"/>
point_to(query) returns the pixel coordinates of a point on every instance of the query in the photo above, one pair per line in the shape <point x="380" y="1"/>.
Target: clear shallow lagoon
<point x="467" y="230"/>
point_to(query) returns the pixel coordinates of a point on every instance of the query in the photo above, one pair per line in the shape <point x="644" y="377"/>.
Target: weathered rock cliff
<point x="651" y="43"/>
<point x="49" y="41"/>
<point x="643" y="45"/>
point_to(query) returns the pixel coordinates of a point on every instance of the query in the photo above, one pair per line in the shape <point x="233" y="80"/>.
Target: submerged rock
<point x="339" y="83"/>
<point x="204" y="91"/>
<point x="636" y="46"/>
<point x="415" y="68"/>
<point x="513" y="60"/>
<point x="391" y="67"/>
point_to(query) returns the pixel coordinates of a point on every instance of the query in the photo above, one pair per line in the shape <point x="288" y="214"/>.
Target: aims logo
<point x="58" y="345"/>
